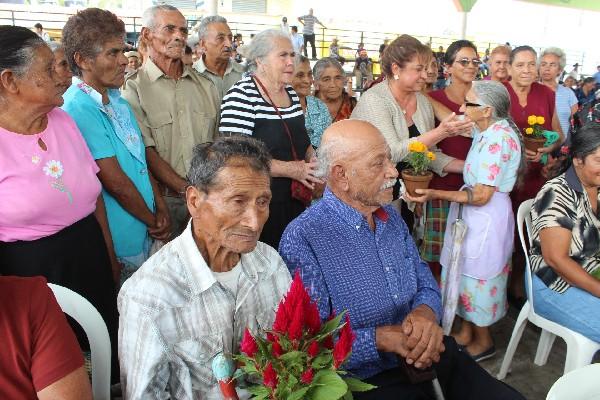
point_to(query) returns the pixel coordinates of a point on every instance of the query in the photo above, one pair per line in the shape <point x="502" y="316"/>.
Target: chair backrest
<point x="524" y="218"/>
<point x="82" y="311"/>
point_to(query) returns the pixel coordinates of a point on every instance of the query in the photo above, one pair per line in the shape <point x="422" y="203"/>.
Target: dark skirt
<point x="281" y="213"/>
<point x="76" y="258"/>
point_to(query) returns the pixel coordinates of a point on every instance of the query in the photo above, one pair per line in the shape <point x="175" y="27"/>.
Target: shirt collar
<point x="350" y="214"/>
<point x="113" y="94"/>
<point x="154" y="73"/>
<point x="231" y="65"/>
<point x="573" y="180"/>
<point x="201" y="276"/>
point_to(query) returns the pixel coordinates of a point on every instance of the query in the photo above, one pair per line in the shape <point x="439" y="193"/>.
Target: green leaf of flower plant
<point x="356" y="385"/>
<point x="327" y="385"/>
<point x="348" y="396"/>
<point x="322" y="361"/>
<point x="330" y="326"/>
<point x="292" y="356"/>
<point x="298" y="394"/>
<point x="259" y="392"/>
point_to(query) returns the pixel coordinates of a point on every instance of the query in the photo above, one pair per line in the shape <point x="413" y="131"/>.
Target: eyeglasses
<point x="468" y="104"/>
<point x="465" y="62"/>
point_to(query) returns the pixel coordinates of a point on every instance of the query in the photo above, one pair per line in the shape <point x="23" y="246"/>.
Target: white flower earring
<point x="396" y="77"/>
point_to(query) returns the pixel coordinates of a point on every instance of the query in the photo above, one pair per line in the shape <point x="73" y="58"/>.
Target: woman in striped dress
<point x="565" y="256"/>
<point x="265" y="106"/>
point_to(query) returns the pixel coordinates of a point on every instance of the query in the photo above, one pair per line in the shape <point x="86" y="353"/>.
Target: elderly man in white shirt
<point x="193" y="299"/>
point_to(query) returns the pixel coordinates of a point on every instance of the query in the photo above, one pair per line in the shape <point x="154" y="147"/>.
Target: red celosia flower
<point x="248" y="345"/>
<point x="328" y="342"/>
<point x="312" y="318"/>
<point x="297" y="295"/>
<point x="313" y="349"/>
<point x="271" y="338"/>
<point x="343" y="346"/>
<point x="282" y="319"/>
<point x="270" y="376"/>
<point x="297" y="325"/>
<point x="307" y="376"/>
<point x="277" y="349"/>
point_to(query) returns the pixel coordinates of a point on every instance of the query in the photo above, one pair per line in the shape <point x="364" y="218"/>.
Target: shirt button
<point x="357" y="227"/>
<point x="387" y="268"/>
<point x="395" y="296"/>
<point x="143" y="171"/>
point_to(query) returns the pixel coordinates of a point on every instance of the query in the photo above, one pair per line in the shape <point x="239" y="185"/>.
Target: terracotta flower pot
<point x="412" y="182"/>
<point x="533" y="144"/>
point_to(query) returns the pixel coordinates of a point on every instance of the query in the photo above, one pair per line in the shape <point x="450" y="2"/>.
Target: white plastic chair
<point x="580" y="349"/>
<point x="92" y="323"/>
<point x="581" y="384"/>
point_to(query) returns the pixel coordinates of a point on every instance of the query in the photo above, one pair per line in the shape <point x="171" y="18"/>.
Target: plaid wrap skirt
<point x="436" y="214"/>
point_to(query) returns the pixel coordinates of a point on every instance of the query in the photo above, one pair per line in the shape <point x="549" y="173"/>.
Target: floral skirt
<point x="482" y="302"/>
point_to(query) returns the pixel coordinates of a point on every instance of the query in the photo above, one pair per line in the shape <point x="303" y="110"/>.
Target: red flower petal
<point x="343" y="347"/>
<point x="248" y="345"/>
<point x="307" y="376"/>
<point x="313" y="349"/>
<point x="277" y="349"/>
<point x="270" y="376"/>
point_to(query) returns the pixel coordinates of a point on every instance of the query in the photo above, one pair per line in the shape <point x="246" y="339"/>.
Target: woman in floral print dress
<point x="490" y="173"/>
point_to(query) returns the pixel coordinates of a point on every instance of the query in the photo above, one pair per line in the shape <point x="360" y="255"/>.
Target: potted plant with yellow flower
<point x="417" y="176"/>
<point x="534" y="137"/>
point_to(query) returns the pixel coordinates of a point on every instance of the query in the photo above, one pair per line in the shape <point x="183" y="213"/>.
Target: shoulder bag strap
<point x="287" y="129"/>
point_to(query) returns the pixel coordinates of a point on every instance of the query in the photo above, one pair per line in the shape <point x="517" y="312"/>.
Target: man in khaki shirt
<point x="216" y="63"/>
<point x="175" y="107"/>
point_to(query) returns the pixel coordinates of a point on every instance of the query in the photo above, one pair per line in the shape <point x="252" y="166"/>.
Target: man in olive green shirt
<point x="216" y="63"/>
<point x="175" y="107"/>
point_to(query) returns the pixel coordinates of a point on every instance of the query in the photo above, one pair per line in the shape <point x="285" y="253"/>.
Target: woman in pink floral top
<point x="52" y="217"/>
<point x="490" y="173"/>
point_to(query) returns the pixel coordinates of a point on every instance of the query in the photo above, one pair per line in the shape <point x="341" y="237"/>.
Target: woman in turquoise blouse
<point x="135" y="210"/>
<point x="490" y="174"/>
<point x="316" y="114"/>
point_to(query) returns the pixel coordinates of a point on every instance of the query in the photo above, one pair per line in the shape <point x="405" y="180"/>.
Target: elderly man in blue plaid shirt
<point x="355" y="253"/>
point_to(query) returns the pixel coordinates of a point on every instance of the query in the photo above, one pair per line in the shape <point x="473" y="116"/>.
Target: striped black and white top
<point x="562" y="202"/>
<point x="245" y="111"/>
<point x="243" y="105"/>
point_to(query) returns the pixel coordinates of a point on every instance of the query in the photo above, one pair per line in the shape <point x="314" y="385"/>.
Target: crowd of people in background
<point x="178" y="184"/>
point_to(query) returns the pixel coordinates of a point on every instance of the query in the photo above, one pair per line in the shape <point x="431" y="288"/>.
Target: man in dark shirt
<point x="363" y="69"/>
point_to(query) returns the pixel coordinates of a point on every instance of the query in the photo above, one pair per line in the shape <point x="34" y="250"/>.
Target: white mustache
<point x="389" y="184"/>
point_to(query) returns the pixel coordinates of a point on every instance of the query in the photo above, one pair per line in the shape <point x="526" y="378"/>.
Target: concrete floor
<point x="531" y="380"/>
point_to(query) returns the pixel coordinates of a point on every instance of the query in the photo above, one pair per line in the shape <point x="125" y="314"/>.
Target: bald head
<point x="354" y="158"/>
<point x="345" y="140"/>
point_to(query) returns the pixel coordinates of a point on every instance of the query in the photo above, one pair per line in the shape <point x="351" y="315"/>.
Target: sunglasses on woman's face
<point x="465" y="62"/>
<point x="469" y="104"/>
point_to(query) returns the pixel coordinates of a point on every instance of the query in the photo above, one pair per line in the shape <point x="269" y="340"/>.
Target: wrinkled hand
<point x="425" y="337"/>
<point x="162" y="226"/>
<point x="425" y="196"/>
<point x="392" y="339"/>
<point x="452" y="126"/>
<point x="535" y="156"/>
<point x="305" y="172"/>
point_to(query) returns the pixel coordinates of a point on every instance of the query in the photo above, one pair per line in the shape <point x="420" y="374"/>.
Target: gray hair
<point x="17" y="48"/>
<point x="150" y="14"/>
<point x="300" y="59"/>
<point x="211" y="157"/>
<point x="328" y="153"/>
<point x="262" y="44"/>
<point x="206" y="21"/>
<point x="325" y="63"/>
<point x="555" y="51"/>
<point x="495" y="95"/>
